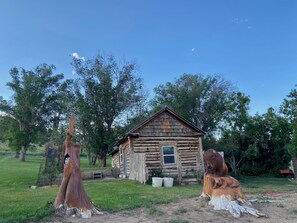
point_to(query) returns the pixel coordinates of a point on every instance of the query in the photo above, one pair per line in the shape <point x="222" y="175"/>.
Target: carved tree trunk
<point x="72" y="198"/>
<point x="224" y="191"/>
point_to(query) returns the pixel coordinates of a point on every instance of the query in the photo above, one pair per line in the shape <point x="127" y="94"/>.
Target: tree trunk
<point x="22" y="154"/>
<point x="94" y="159"/>
<point x="233" y="164"/>
<point x="89" y="158"/>
<point x="17" y="154"/>
<point x="72" y="198"/>
<point x="294" y="161"/>
<point x="102" y="160"/>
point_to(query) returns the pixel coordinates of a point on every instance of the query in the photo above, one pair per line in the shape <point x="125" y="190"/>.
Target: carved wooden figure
<point x="72" y="198"/>
<point x="224" y="191"/>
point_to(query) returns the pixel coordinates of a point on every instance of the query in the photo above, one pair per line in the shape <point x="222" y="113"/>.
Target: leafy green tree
<point x="233" y="140"/>
<point x="289" y="109"/>
<point x="253" y="144"/>
<point x="5" y="127"/>
<point x="267" y="136"/>
<point x="34" y="92"/>
<point x="105" y="93"/>
<point x="199" y="99"/>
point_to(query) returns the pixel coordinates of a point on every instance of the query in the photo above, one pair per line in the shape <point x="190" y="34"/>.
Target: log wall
<point x="166" y="130"/>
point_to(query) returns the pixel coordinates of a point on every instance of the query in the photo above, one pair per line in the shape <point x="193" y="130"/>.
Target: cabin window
<point x="168" y="154"/>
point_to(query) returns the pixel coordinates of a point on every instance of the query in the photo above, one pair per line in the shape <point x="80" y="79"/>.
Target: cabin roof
<point x="133" y="132"/>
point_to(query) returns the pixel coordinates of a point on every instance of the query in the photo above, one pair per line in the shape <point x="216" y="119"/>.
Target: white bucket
<point x="168" y="181"/>
<point x="157" y="181"/>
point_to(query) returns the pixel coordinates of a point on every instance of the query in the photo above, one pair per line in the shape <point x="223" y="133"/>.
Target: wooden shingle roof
<point x="134" y="132"/>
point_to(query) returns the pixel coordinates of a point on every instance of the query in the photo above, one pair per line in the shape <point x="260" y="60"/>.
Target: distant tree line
<point x="109" y="98"/>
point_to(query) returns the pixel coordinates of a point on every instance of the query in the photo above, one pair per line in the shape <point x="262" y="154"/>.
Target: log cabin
<point x="164" y="141"/>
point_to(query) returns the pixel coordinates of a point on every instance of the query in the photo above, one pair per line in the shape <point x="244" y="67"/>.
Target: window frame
<point x="167" y="155"/>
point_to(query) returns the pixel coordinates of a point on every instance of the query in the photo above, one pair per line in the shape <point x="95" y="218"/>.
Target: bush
<point x="251" y="170"/>
<point x="158" y="172"/>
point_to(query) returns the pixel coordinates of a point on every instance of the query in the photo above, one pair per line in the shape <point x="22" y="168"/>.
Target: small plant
<point x="157" y="172"/>
<point x="181" y="211"/>
<point x="263" y="199"/>
<point x="155" y="211"/>
<point x="198" y="209"/>
<point x="280" y="206"/>
<point x="294" y="212"/>
<point x="178" y="221"/>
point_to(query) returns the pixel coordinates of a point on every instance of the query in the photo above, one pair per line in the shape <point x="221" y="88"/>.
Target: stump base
<point x="225" y="193"/>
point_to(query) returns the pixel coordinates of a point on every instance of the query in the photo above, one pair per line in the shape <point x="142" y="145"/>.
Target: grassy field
<point x="19" y="203"/>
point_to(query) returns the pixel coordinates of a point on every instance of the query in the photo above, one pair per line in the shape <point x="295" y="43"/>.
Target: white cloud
<point x="76" y="56"/>
<point x="240" y="20"/>
<point x="250" y="27"/>
<point x="193" y="49"/>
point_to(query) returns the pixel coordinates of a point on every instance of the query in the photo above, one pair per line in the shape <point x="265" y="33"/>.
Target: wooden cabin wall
<point x="115" y="160"/>
<point x="125" y="147"/>
<point x="187" y="154"/>
<point x="167" y="130"/>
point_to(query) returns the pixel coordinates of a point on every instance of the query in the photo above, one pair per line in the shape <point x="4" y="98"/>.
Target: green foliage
<point x="36" y="104"/>
<point x="294" y="212"/>
<point x="201" y="100"/>
<point x="178" y="221"/>
<point x="157" y="172"/>
<point x="155" y="211"/>
<point x="181" y="210"/>
<point x="209" y="142"/>
<point x="259" y="145"/>
<point x="104" y="93"/>
<point x="251" y="170"/>
<point x="289" y="109"/>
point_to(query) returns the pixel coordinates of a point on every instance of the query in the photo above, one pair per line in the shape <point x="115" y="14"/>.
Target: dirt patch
<point x="280" y="207"/>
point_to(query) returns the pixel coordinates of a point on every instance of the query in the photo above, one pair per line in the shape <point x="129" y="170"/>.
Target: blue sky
<point x="252" y="43"/>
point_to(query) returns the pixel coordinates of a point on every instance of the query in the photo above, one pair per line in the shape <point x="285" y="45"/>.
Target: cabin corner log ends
<point x="72" y="198"/>
<point x="224" y="191"/>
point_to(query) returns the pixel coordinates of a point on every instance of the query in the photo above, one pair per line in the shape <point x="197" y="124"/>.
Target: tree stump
<point x="72" y="198"/>
<point x="224" y="191"/>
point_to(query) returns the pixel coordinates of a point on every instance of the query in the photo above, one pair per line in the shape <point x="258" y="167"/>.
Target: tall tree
<point x="105" y="92"/>
<point x="255" y="144"/>
<point x="266" y="135"/>
<point x="289" y="109"/>
<point x="199" y="99"/>
<point x="33" y="94"/>
<point x="233" y="131"/>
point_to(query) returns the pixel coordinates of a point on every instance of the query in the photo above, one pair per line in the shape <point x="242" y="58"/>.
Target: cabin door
<point x="137" y="167"/>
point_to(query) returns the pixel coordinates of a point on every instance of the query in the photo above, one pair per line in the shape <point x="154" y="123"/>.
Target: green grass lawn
<point x="19" y="203"/>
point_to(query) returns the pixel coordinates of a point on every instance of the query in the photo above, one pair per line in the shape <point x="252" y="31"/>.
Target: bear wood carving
<point x="224" y="191"/>
<point x="215" y="163"/>
<point x="72" y="198"/>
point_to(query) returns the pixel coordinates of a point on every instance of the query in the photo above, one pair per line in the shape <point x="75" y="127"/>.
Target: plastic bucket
<point x="168" y="181"/>
<point x="157" y="181"/>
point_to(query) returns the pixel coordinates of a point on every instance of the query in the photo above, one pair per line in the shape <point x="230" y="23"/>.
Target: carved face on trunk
<point x="214" y="163"/>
